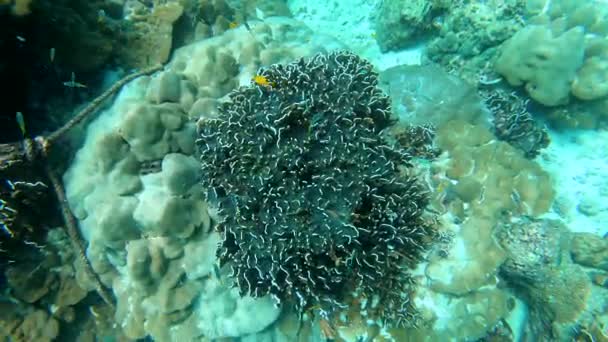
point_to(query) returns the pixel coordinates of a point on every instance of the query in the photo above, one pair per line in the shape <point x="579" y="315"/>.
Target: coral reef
<point x="313" y="199"/>
<point x="538" y="266"/>
<point x="134" y="187"/>
<point x="21" y="207"/>
<point x="561" y="52"/>
<point x="417" y="141"/>
<point x="45" y="302"/>
<point x="469" y="34"/>
<point x="513" y="122"/>
<point x="208" y="18"/>
<point x="491" y="176"/>
<point x="57" y="57"/>
<point x="148" y="34"/>
<point x="544" y="62"/>
<point x="80" y="42"/>
<point x="578" y="115"/>
<point x="590" y="250"/>
<point x="26" y="213"/>
<point x="399" y="24"/>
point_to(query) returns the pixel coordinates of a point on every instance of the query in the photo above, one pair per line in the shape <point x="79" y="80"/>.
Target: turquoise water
<point x="304" y="170"/>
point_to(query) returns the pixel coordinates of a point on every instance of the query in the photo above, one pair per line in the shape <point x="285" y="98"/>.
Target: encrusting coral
<point x="315" y="202"/>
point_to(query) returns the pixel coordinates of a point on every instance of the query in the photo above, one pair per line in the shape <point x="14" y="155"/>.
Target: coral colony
<point x="315" y="203"/>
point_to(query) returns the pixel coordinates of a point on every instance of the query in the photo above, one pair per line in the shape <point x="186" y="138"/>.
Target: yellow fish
<point x="262" y="81"/>
<point x="233" y="25"/>
<point x="21" y="122"/>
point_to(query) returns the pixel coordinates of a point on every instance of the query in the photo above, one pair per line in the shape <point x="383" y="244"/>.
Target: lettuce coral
<point x="313" y="199"/>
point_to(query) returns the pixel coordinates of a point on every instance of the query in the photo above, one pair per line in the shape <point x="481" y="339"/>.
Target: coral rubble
<point x="315" y="201"/>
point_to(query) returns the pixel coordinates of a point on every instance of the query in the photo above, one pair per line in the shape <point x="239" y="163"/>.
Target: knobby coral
<point x="315" y="202"/>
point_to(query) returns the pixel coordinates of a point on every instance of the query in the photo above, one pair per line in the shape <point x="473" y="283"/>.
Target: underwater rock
<point x="469" y="34"/>
<point x="422" y="95"/>
<point x="30" y="282"/>
<point x="589" y="206"/>
<point x="539" y="268"/>
<point x="531" y="245"/>
<point x="399" y="24"/>
<point x="590" y="250"/>
<point x="37" y="326"/>
<point x="149" y="37"/>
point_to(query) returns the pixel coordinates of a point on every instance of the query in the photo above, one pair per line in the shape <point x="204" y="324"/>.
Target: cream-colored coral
<point x="543" y="62"/>
<point x="563" y="51"/>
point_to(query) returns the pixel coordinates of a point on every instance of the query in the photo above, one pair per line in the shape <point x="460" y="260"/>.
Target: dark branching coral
<point x="417" y="141"/>
<point x="315" y="202"/>
<point x="514" y="124"/>
<point x="24" y="214"/>
<point x="21" y="207"/>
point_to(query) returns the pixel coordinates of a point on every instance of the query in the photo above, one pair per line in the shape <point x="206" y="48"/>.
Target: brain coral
<point x="314" y="201"/>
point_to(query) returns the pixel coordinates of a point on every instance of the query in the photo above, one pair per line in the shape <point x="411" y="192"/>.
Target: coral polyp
<point x="314" y="201"/>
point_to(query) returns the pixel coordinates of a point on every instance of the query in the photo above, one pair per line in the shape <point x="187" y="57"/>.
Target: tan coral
<point x="591" y="80"/>
<point x="150" y="39"/>
<point x="544" y="62"/>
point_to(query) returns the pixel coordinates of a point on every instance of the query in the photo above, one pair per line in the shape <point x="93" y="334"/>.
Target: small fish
<point x="262" y="81"/>
<point x="216" y="271"/>
<point x="373" y="34"/>
<point x="21" y="122"/>
<point x="20" y="38"/>
<point x="244" y="19"/>
<point x="260" y="14"/>
<point x="437" y="22"/>
<point x="233" y="25"/>
<point x="73" y="84"/>
<point x="101" y="16"/>
<point x="52" y="54"/>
